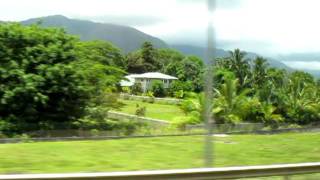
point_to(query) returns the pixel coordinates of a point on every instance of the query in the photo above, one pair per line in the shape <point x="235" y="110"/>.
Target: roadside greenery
<point x="251" y="91"/>
<point x="49" y="78"/>
<point x="157" y="153"/>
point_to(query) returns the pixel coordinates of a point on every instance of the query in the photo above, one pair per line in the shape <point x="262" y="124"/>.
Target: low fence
<point x="148" y="128"/>
<point x="151" y="99"/>
<point x="228" y="128"/>
<point x="186" y="174"/>
<point x="255" y="128"/>
<point x="150" y="121"/>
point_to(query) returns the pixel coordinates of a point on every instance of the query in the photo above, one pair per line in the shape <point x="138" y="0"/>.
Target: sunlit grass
<point x="153" y="110"/>
<point x="157" y="153"/>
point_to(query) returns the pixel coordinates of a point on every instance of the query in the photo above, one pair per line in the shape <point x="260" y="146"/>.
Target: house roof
<point x="129" y="82"/>
<point x="152" y="75"/>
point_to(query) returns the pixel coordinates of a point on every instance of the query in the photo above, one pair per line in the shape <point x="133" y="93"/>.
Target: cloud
<point x="265" y="26"/>
<point x="260" y="47"/>
<point x="303" y="65"/>
<point x="220" y="4"/>
<point x="132" y="20"/>
<point x="228" y="4"/>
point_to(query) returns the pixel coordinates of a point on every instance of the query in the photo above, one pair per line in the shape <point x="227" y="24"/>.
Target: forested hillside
<point x="50" y="79"/>
<point x="126" y="38"/>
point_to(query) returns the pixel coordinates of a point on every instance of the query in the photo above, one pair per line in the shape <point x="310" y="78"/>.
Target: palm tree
<point x="240" y="66"/>
<point x="299" y="98"/>
<point x="259" y="73"/>
<point x="270" y="117"/>
<point x="228" y="102"/>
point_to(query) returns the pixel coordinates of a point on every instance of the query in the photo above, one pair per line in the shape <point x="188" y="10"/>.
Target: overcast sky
<point x="268" y="27"/>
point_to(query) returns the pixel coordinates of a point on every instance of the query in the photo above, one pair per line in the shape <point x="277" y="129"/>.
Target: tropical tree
<point x="270" y="117"/>
<point x="158" y="89"/>
<point x="134" y="62"/>
<point x="299" y="99"/>
<point x="103" y="52"/>
<point x="228" y="101"/>
<point x="259" y="72"/>
<point x="38" y="82"/>
<point x="168" y="58"/>
<point x="240" y="66"/>
<point x="143" y="60"/>
<point x="148" y="54"/>
<point x="189" y="70"/>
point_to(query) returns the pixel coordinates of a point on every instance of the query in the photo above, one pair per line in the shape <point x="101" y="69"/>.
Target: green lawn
<point x="156" y="153"/>
<point x="154" y="110"/>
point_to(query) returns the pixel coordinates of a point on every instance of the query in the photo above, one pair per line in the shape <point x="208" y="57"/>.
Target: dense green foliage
<point x="158" y="89"/>
<point x="49" y="78"/>
<point x="249" y="90"/>
<point x="38" y="82"/>
<point x="189" y="69"/>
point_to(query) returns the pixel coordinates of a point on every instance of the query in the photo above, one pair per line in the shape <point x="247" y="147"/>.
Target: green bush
<point x="140" y="111"/>
<point x="182" y="122"/>
<point x="177" y="86"/>
<point x="136" y="89"/>
<point x="187" y="106"/>
<point x="94" y="132"/>
<point x="125" y="127"/>
<point x="179" y="94"/>
<point x="38" y="81"/>
<point x="149" y="97"/>
<point x="149" y="94"/>
<point x="158" y="89"/>
<point x="126" y="90"/>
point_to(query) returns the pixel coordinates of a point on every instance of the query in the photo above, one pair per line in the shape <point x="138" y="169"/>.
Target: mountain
<point x="197" y="50"/>
<point x="200" y="52"/>
<point x="126" y="38"/>
<point x="308" y="62"/>
<point x="315" y="56"/>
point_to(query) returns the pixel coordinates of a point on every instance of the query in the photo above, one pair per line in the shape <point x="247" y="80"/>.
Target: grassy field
<point x="157" y="153"/>
<point x="154" y="110"/>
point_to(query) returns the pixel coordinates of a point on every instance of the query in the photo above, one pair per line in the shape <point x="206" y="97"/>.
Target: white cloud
<point x="279" y="26"/>
<point x="303" y="65"/>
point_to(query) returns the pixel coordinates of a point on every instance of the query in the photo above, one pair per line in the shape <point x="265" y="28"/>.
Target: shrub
<point x="294" y="126"/>
<point x="125" y="127"/>
<point x="158" y="89"/>
<point x="24" y="138"/>
<point x="179" y="94"/>
<point x="140" y="111"/>
<point x="190" y="95"/>
<point x="150" y="98"/>
<point x="38" y="82"/>
<point x="177" y="86"/>
<point x="182" y="122"/>
<point x="149" y="94"/>
<point x="136" y="89"/>
<point x="187" y="106"/>
<point x="126" y="90"/>
<point x="94" y="132"/>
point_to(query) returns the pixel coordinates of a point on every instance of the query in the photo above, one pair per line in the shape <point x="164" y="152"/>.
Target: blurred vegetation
<point x="48" y="77"/>
<point x="157" y="153"/>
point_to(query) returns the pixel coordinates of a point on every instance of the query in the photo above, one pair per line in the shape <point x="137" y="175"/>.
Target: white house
<point x="146" y="80"/>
